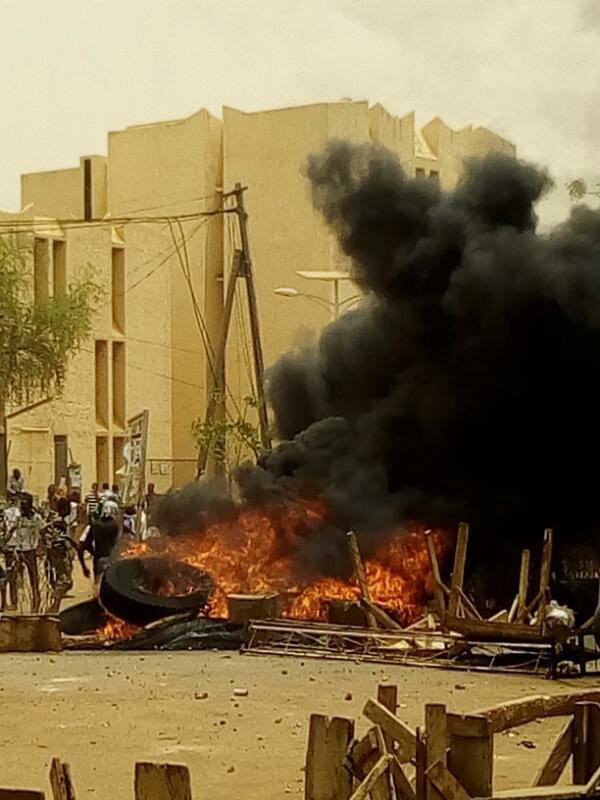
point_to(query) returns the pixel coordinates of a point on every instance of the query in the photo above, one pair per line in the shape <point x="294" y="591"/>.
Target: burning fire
<point x="115" y="630"/>
<point x="250" y="553"/>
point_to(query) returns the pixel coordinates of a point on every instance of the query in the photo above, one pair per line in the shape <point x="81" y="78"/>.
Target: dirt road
<point x="103" y="711"/>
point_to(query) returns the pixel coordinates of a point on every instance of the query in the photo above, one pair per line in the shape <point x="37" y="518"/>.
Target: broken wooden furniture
<point x="524" y="622"/>
<point x="451" y="756"/>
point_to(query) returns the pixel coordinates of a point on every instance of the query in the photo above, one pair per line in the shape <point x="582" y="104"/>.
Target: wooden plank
<point x="380" y="615"/>
<point x="471" y="754"/>
<point x="496" y="631"/>
<point x="542" y="792"/>
<point x="438" y="592"/>
<point x="381" y="789"/>
<point x="363" y="790"/>
<point x="458" y="571"/>
<point x="523" y="585"/>
<point x="387" y="695"/>
<point x="359" y="571"/>
<point x="359" y="751"/>
<point x="402" y="786"/>
<point x="470" y="726"/>
<point x="508" y="715"/>
<point x="551" y="770"/>
<point x="162" y="781"/>
<point x="586" y="741"/>
<point x="545" y="576"/>
<point x="394" y="728"/>
<point x="60" y="781"/>
<point x="499" y="616"/>
<point x="468" y="605"/>
<point x="436" y="742"/>
<point x="29" y="633"/>
<point x="21" y="794"/>
<point x="445" y="783"/>
<point x="326" y="778"/>
<point x="420" y="763"/>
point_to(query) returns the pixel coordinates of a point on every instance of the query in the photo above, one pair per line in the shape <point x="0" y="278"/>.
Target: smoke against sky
<point x="467" y="384"/>
<point x="529" y="70"/>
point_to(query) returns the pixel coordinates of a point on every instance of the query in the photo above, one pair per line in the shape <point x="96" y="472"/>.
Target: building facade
<point x="134" y="218"/>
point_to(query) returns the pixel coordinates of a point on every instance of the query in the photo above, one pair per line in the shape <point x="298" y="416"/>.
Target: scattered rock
<point x="240" y="692"/>
<point x="460" y="686"/>
<point x="528" y="744"/>
<point x="348" y="696"/>
<point x="231" y="769"/>
<point x="278" y="721"/>
<point x="200" y="695"/>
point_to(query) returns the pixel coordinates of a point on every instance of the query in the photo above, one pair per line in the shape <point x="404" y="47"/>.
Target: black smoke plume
<point x="467" y="383"/>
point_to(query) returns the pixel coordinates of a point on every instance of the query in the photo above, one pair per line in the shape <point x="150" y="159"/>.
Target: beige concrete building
<point x="132" y="217"/>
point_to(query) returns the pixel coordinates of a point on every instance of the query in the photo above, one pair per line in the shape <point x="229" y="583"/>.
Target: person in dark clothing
<point x="59" y="547"/>
<point x="99" y="539"/>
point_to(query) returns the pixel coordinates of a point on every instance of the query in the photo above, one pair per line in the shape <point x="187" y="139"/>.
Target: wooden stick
<point x="437" y="580"/>
<point x="445" y="783"/>
<point x="512" y="614"/>
<point x="545" y="576"/>
<point x="396" y="729"/>
<point x="469" y="605"/>
<point x="458" y="572"/>
<point x="381" y="767"/>
<point x="381" y="790"/>
<point x="499" y="616"/>
<point x="359" y="571"/>
<point x="550" y="772"/>
<point x="523" y="585"/>
<point x="380" y="615"/>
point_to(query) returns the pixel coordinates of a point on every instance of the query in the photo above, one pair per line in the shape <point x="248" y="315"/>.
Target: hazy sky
<point x="74" y="69"/>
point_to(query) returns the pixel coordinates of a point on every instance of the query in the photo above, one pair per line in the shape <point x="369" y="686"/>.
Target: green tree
<point x="229" y="439"/>
<point x="37" y="339"/>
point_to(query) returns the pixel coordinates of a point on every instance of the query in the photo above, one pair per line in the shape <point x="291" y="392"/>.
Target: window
<point x="118" y="457"/>
<point x="59" y="267"/>
<point x="87" y="188"/>
<point x="118" y="378"/>
<point x="41" y="269"/>
<point x="434" y="176"/>
<point x="101" y="380"/>
<point x="61" y="460"/>
<point x="118" y="289"/>
<point x="102" y="460"/>
<point x="419" y="173"/>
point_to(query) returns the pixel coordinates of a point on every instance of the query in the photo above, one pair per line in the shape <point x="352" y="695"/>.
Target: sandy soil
<point x="103" y="711"/>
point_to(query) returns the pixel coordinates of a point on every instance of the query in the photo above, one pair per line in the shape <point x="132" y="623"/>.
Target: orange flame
<point x="115" y="630"/>
<point x="251" y="553"/>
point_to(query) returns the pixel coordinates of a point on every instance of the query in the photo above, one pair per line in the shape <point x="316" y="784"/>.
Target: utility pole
<point x="241" y="268"/>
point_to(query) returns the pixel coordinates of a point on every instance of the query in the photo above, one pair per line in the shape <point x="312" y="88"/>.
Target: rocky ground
<point x="103" y="711"/>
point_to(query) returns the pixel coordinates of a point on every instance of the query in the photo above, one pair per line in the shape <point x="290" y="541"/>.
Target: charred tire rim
<point x="121" y="597"/>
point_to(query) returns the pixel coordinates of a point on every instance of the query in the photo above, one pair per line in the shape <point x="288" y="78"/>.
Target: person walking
<point x="16" y="485"/>
<point x="91" y="500"/>
<point x="24" y="532"/>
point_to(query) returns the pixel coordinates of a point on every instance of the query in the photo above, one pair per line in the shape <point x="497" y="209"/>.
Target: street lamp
<point x="333" y="276"/>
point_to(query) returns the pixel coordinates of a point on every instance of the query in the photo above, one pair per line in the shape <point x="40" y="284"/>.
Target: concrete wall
<point x="266" y="151"/>
<point x="156" y="170"/>
<point x="60" y="193"/>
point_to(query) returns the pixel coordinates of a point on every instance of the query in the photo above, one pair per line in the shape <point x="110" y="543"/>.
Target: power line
<point x="47" y="226"/>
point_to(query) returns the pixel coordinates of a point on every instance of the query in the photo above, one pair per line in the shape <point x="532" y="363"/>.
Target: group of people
<point x="64" y="526"/>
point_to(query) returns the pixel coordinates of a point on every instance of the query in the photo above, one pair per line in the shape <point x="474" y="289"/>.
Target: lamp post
<point x="335" y="306"/>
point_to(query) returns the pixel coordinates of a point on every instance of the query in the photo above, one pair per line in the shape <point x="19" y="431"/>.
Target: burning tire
<point x="143" y="590"/>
